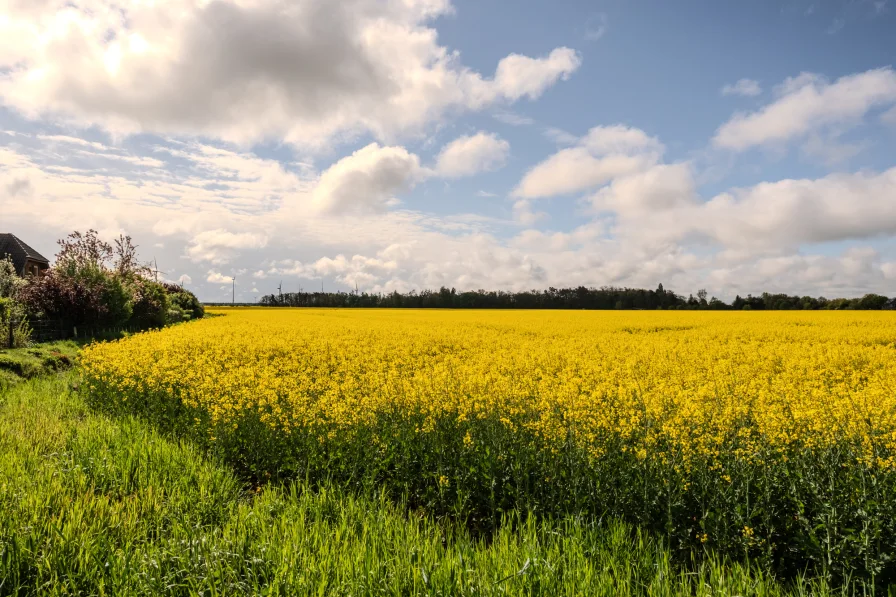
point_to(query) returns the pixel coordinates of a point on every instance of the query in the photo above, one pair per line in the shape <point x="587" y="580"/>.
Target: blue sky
<point x="402" y="144"/>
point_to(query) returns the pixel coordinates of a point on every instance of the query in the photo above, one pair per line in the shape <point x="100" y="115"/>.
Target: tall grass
<point x="97" y="506"/>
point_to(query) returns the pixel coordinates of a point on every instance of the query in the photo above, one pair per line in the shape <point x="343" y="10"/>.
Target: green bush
<point x="150" y="303"/>
<point x="187" y="301"/>
<point x="176" y="315"/>
<point x="81" y="295"/>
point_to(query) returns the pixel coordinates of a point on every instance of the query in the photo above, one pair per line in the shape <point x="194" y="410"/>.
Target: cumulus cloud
<point x="808" y="103"/>
<point x="641" y="225"/>
<point x="744" y="87"/>
<point x="790" y="212"/>
<point x="469" y="155"/>
<point x="218" y="278"/>
<point x="185" y="279"/>
<point x="219" y="246"/>
<point x="520" y="76"/>
<point x="367" y="180"/>
<point x="660" y="187"/>
<point x="306" y="72"/>
<point x="605" y="153"/>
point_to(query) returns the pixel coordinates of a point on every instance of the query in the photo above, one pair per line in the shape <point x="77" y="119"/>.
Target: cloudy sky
<point x="402" y="144"/>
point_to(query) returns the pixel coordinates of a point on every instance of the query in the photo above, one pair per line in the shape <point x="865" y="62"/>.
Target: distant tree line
<point x="606" y="297"/>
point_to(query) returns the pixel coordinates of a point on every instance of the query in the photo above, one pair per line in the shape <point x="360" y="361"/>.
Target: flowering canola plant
<point x="628" y="413"/>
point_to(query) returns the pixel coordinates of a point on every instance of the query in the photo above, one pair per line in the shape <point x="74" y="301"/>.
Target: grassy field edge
<point x="100" y="506"/>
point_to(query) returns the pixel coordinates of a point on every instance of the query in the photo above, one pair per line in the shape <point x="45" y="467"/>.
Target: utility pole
<point x="233" y="290"/>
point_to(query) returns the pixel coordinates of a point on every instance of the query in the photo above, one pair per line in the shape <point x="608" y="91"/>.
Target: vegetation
<point x="767" y="437"/>
<point x="92" y="286"/>
<point x="12" y="312"/>
<point x="96" y="506"/>
<point x="607" y="297"/>
<point x="19" y="364"/>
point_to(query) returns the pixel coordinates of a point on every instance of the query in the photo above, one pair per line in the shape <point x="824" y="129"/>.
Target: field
<point x="93" y="505"/>
<point x="761" y="437"/>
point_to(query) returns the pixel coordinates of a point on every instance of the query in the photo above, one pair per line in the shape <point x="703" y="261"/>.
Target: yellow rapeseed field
<point x="766" y="433"/>
<point x="693" y="383"/>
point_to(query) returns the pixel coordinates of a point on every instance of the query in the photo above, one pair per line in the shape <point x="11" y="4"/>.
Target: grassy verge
<point x="19" y="364"/>
<point x="97" y="506"/>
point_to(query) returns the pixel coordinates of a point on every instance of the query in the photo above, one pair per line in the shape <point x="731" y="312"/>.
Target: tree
<point x="10" y="282"/>
<point x="94" y="283"/>
<point x="78" y="251"/>
<point x="126" y="263"/>
<point x="871" y="301"/>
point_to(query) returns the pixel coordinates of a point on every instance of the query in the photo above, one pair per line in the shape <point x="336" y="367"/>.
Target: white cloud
<point x="219" y="246"/>
<point x="889" y="270"/>
<point x="809" y="103"/>
<point x="469" y="155"/>
<point x="218" y="278"/>
<point x="185" y="279"/>
<point x="788" y="213"/>
<point x="520" y="76"/>
<point x="660" y="187"/>
<point x="647" y="223"/>
<point x="596" y="26"/>
<point x="306" y="72"/>
<point x="485" y="194"/>
<point x="744" y="87"/>
<point x="889" y="117"/>
<point x="512" y="118"/>
<point x="560" y="137"/>
<point x="367" y="180"/>
<point x="600" y="156"/>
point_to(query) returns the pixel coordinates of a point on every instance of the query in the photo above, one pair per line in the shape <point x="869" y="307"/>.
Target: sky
<point x="409" y="144"/>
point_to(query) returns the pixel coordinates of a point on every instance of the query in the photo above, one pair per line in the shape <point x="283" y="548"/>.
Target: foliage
<point x="765" y="436"/>
<point x="177" y="315"/>
<point x="10" y="282"/>
<point x="149" y="302"/>
<point x="80" y="294"/>
<point x="12" y="311"/>
<point x="186" y="301"/>
<point x="95" y="284"/>
<point x="93" y="506"/>
<point x="24" y="363"/>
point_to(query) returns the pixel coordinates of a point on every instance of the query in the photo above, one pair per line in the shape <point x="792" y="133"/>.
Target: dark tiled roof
<point x="13" y="246"/>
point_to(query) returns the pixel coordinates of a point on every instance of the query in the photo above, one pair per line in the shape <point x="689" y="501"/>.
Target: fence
<point x="17" y="333"/>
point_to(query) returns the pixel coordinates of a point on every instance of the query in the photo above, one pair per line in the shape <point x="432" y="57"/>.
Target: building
<point x="26" y="260"/>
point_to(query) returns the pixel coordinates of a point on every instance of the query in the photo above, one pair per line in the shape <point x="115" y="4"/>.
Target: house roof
<point x="13" y="246"/>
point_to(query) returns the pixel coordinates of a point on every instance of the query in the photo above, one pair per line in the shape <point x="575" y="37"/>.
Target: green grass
<point x="97" y="506"/>
<point x="18" y="364"/>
